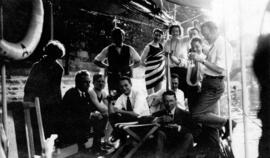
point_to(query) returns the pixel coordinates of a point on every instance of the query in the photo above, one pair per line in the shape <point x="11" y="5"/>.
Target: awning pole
<point x="51" y="19"/>
<point x="243" y="80"/>
<point x="228" y="68"/>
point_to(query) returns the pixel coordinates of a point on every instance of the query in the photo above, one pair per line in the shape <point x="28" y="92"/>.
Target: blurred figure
<point x="44" y="81"/>
<point x="121" y="58"/>
<point x="261" y="68"/>
<point x="153" y="60"/>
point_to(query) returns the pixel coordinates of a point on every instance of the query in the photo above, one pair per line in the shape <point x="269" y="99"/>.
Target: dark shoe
<point x="227" y="128"/>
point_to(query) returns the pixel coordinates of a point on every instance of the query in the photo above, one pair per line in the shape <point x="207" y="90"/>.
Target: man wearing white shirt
<point x="205" y="111"/>
<point x="128" y="107"/>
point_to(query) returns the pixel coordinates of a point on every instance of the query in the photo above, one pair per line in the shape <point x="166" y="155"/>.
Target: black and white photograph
<point x="135" y="78"/>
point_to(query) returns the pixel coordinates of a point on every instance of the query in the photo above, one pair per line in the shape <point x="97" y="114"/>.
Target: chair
<point x="135" y="139"/>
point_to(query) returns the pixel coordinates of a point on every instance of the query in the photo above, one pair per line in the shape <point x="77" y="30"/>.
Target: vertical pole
<point x="243" y="80"/>
<point x="51" y="19"/>
<point x="40" y="125"/>
<point x="174" y="12"/>
<point x="228" y="67"/>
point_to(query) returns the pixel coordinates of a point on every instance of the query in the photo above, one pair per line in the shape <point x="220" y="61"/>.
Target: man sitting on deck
<point x="128" y="106"/>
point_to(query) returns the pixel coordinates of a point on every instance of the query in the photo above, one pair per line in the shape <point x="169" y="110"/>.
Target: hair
<point x="210" y="25"/>
<point x="174" y="75"/>
<point x="116" y="32"/>
<point x="158" y="30"/>
<point x="196" y="39"/>
<point x="125" y="78"/>
<point x="168" y="92"/>
<point x="193" y="28"/>
<point x="177" y="26"/>
<point x="96" y="77"/>
<point x="80" y="74"/>
<point x="55" y="48"/>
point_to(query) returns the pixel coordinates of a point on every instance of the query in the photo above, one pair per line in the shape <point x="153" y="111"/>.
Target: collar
<point x="173" y="110"/>
<point x="81" y="93"/>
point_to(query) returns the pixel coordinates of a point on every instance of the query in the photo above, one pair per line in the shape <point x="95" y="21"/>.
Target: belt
<point x="213" y="77"/>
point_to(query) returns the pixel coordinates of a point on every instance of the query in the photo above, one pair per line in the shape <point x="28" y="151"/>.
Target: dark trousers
<point x="99" y="128"/>
<point x="205" y="109"/>
<point x="171" y="143"/>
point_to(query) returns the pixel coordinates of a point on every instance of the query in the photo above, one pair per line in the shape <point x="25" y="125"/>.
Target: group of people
<point x="197" y="66"/>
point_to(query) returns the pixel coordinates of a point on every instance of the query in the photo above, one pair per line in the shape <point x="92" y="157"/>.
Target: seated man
<point x="156" y="98"/>
<point x="128" y="106"/>
<point x="177" y="129"/>
<point x="99" y="117"/>
<point x="77" y="107"/>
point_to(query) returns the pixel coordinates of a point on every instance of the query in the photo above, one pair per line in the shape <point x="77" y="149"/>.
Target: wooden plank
<point x="13" y="150"/>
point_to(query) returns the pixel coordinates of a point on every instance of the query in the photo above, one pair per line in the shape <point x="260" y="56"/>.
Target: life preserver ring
<point x="24" y="48"/>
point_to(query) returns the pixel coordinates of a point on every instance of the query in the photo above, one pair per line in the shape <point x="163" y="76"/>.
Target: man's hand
<point x="175" y="126"/>
<point x="96" y="114"/>
<point x="196" y="57"/>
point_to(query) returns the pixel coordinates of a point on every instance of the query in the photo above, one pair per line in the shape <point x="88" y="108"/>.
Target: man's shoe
<point x="227" y="128"/>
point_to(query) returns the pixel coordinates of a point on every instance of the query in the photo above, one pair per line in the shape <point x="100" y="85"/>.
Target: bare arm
<point x="136" y="59"/>
<point x="99" y="59"/>
<point x="144" y="55"/>
<point x="100" y="106"/>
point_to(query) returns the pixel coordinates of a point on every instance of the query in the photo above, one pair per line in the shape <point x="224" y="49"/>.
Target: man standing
<point x="121" y="58"/>
<point x="205" y="110"/>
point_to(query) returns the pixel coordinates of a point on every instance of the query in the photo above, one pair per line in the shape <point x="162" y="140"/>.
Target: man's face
<point x="125" y="87"/>
<point x="175" y="83"/>
<point x="100" y="83"/>
<point x="206" y="33"/>
<point x="157" y="36"/>
<point x="119" y="39"/>
<point x="84" y="83"/>
<point x="169" y="101"/>
<point x="193" y="33"/>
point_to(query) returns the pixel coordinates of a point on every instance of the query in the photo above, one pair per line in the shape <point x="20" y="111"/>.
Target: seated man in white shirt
<point x="128" y="107"/>
<point x="156" y="98"/>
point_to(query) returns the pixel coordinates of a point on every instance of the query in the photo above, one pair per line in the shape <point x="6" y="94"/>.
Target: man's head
<point x="82" y="80"/>
<point x="193" y="32"/>
<point x="209" y="31"/>
<point x="125" y="85"/>
<point x="54" y="49"/>
<point x="98" y="81"/>
<point x="174" y="81"/>
<point x="175" y="30"/>
<point x="196" y="44"/>
<point x="157" y="34"/>
<point x="169" y="99"/>
<point x="118" y="36"/>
